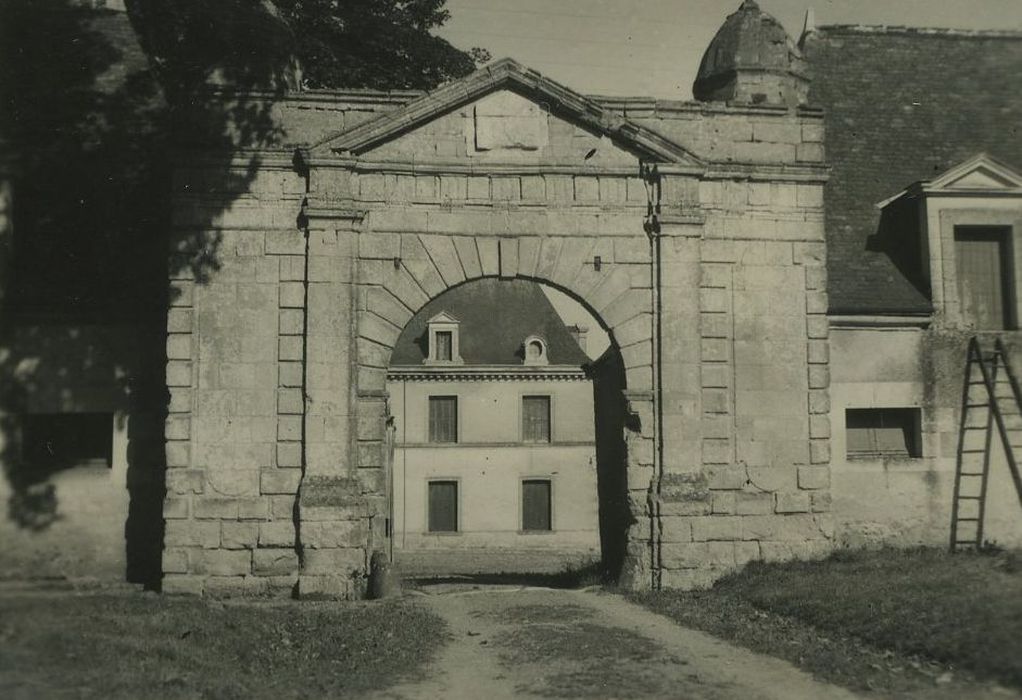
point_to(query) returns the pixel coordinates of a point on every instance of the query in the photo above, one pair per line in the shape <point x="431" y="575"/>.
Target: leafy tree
<point x="382" y="44"/>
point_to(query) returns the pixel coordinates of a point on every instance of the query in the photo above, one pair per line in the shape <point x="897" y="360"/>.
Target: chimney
<point x="579" y="334"/>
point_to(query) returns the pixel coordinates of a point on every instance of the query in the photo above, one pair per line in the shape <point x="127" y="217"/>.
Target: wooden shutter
<point x="443" y="418"/>
<point x="536" y="418"/>
<point x="882" y="432"/>
<point x="984" y="276"/>
<point x="536" y="504"/>
<point x="443" y="506"/>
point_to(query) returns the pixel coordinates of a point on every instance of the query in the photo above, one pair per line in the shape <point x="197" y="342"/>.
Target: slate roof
<point x="903" y="105"/>
<point x="496" y="317"/>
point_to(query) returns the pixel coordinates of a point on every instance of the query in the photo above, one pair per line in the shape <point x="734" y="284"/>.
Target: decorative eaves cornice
<point x="511" y="75"/>
<point x="447" y="373"/>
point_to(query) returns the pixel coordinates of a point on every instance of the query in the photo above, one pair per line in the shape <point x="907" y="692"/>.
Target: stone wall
<point x="278" y="356"/>
<point x="234" y="350"/>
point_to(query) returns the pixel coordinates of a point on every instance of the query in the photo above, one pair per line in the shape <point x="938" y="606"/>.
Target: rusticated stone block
<point x="813" y="477"/>
<point x="234" y="586"/>
<point x="797" y="502"/>
<point x="289" y="454"/>
<point x="192" y="533"/>
<point x="335" y="534"/>
<point x="698" y="555"/>
<point x="754" y="504"/>
<point x="277" y="533"/>
<point x="175" y="508"/>
<point x="724" y="503"/>
<point x="820" y="501"/>
<point x="215" y="508"/>
<point x="324" y="587"/>
<point x="780" y="528"/>
<point x="279" y="481"/>
<point x="716" y="528"/>
<point x="819" y="451"/>
<point x="726" y="478"/>
<point x="334" y="562"/>
<point x="175" y="561"/>
<point x="274" y="562"/>
<point x="257" y="508"/>
<point x="675" y="529"/>
<point x="239" y="535"/>
<point x="222" y="562"/>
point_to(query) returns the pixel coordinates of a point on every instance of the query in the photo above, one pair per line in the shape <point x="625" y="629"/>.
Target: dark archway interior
<point x="608" y="373"/>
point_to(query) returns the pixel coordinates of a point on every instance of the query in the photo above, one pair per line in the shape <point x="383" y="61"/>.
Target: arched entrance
<point x="505" y="401"/>
<point x="396" y="288"/>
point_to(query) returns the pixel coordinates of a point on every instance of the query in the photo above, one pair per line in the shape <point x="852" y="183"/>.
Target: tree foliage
<point x="382" y="44"/>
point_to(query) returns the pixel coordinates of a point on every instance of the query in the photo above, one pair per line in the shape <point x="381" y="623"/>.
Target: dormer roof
<point x="980" y="175"/>
<point x="496" y="316"/>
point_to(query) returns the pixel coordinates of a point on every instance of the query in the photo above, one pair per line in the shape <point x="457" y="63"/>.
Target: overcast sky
<point x="653" y="47"/>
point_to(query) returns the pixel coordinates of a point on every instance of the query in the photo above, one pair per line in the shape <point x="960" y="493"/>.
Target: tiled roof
<point x="495" y="317"/>
<point x="903" y="105"/>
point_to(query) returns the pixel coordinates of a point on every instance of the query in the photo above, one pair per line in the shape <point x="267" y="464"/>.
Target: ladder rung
<point x="968" y="498"/>
<point x="970" y="473"/>
<point x="973" y="452"/>
<point x="968" y="520"/>
<point x="978" y="405"/>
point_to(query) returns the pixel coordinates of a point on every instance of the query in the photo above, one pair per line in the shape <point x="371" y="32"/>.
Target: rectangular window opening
<point x="52" y="442"/>
<point x="883" y="432"/>
<point x="536" y="418"/>
<point x="986" y="276"/>
<point x="445" y="345"/>
<point x="443" y="506"/>
<point x="443" y="419"/>
<point x="536" y="505"/>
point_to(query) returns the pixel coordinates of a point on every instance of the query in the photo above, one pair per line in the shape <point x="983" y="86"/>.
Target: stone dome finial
<point x="752" y="60"/>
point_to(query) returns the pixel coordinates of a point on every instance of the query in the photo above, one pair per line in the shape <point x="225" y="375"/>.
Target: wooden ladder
<point x="991" y="401"/>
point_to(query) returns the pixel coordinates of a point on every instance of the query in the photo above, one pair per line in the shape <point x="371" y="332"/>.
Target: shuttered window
<point x="984" y="276"/>
<point x="883" y="432"/>
<point x="443" y="506"/>
<point x="445" y="345"/>
<point x="443" y="418"/>
<point x="536" y="505"/>
<point x="536" y="418"/>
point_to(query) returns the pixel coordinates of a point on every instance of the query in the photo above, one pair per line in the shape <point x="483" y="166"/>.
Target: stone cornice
<point x="486" y="373"/>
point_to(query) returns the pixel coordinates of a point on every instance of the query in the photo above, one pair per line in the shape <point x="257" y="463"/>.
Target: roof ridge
<point x="920" y="31"/>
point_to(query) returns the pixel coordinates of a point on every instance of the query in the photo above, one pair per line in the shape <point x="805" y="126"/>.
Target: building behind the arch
<point x="790" y="354"/>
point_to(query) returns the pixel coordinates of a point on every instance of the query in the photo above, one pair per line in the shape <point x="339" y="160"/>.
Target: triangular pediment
<point x="979" y="175"/>
<point x="443" y="317"/>
<point x="509" y="91"/>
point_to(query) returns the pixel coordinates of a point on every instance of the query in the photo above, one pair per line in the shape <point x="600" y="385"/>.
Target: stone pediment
<point x="979" y="175"/>
<point x="503" y="110"/>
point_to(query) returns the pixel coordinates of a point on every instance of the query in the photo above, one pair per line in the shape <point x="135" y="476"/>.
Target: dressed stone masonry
<point x="692" y="231"/>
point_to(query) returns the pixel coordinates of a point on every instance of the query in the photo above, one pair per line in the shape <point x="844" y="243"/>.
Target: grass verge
<point x="134" y="646"/>
<point x="890" y="620"/>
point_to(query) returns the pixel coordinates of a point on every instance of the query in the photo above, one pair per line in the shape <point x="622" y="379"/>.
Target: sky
<point x="653" y="47"/>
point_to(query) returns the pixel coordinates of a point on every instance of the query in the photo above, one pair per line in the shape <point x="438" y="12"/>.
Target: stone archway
<point x="398" y="274"/>
<point x="361" y="287"/>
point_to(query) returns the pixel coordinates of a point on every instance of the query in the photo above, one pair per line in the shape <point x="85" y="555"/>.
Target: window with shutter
<point x="536" y="419"/>
<point x="443" y="418"/>
<point x="443" y="506"/>
<point x="984" y="276"/>
<point x="883" y="432"/>
<point x="536" y="506"/>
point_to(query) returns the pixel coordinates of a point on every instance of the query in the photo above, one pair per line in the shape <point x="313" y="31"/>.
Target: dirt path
<point x="510" y="642"/>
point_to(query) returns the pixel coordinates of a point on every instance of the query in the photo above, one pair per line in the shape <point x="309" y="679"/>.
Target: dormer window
<point x="535" y="351"/>
<point x="443" y="340"/>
